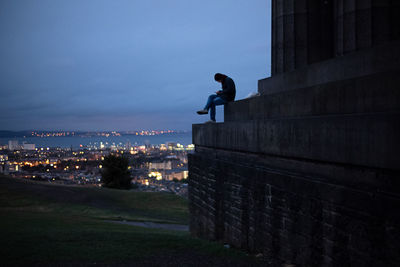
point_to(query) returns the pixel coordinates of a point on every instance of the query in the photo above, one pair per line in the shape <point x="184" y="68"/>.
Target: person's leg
<point x="216" y="101"/>
<point x="210" y="101"/>
<point x="219" y="101"/>
<point x="212" y="111"/>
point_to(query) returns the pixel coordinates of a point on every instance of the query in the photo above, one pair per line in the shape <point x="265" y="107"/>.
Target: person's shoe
<point x="210" y="121"/>
<point x="202" y="112"/>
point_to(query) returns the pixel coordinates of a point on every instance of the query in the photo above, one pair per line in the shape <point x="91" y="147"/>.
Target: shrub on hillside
<point x="115" y="172"/>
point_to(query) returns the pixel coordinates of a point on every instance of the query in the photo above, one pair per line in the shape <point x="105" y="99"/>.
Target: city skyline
<point x="106" y="65"/>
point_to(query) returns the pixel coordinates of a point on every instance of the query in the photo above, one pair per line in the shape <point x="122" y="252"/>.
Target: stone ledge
<point x="370" y="140"/>
<point x="375" y="60"/>
<point x="374" y="93"/>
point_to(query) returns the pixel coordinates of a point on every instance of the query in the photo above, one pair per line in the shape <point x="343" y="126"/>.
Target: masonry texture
<point x="308" y="173"/>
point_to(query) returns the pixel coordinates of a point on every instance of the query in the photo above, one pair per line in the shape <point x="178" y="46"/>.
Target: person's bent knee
<point x="213" y="96"/>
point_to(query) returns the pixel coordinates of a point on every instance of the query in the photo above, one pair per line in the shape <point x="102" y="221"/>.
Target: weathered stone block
<point x="339" y="139"/>
<point x="291" y="216"/>
<point x="372" y="93"/>
<point x="378" y="59"/>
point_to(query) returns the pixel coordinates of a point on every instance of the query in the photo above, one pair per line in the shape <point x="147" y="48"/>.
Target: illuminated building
<point x="163" y="147"/>
<point x="165" y="165"/>
<point x="171" y="145"/>
<point x="179" y="175"/>
<point x="26" y="146"/>
<point x="13" y="145"/>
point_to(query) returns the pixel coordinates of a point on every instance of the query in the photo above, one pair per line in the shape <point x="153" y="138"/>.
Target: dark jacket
<point x="228" y="89"/>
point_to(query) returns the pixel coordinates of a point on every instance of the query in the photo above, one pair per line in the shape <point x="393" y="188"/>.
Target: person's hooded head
<point x="219" y="77"/>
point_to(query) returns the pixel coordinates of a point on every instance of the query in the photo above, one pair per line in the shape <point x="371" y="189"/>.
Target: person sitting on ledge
<point x="221" y="97"/>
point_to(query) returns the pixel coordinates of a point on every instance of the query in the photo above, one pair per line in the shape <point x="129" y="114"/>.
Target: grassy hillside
<point x="49" y="225"/>
<point x="101" y="203"/>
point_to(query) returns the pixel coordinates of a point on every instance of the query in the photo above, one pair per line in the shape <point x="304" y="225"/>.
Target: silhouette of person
<point x="220" y="97"/>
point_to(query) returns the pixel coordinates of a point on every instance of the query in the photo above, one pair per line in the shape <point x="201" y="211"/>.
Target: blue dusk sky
<point x="125" y="64"/>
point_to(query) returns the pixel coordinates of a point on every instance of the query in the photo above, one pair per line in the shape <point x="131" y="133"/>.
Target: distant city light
<point x="157" y="175"/>
<point x="148" y="163"/>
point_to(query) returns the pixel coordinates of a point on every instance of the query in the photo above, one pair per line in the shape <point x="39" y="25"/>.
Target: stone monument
<point x="308" y="173"/>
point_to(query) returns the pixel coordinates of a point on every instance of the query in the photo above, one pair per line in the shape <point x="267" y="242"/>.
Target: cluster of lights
<point x="53" y="163"/>
<point x="133" y="151"/>
<point x="77" y="156"/>
<point x="52" y="134"/>
<point x="107" y="134"/>
<point x="152" y="132"/>
<point x="42" y="149"/>
<point x="156" y="175"/>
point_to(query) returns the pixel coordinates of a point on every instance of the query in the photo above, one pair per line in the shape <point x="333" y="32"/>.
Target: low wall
<point x="292" y="211"/>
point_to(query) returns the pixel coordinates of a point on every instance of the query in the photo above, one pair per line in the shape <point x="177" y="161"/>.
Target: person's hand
<point x="218" y="92"/>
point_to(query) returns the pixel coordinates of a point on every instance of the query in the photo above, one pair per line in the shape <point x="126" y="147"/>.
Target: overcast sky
<point x="125" y="64"/>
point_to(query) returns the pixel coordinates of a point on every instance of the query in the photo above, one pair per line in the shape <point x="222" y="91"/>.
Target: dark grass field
<point x="54" y="225"/>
